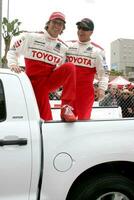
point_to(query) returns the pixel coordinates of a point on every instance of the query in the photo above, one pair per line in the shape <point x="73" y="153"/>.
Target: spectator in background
<point x="112" y="98"/>
<point x="132" y="93"/>
<point x="89" y="59"/>
<point x="127" y="104"/>
<point x="96" y="95"/>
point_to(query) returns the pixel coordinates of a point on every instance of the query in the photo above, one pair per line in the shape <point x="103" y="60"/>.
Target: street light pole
<point x="0" y="27"/>
<point x="8" y="6"/>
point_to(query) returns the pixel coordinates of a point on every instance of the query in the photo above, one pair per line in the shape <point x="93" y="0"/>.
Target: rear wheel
<point x="105" y="187"/>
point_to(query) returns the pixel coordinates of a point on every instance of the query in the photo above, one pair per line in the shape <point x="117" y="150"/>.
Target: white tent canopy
<point x="119" y="81"/>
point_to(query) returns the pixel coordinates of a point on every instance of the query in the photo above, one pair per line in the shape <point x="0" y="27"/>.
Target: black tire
<point x="99" y="187"/>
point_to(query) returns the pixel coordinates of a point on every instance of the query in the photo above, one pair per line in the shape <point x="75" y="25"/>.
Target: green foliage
<point x="9" y="30"/>
<point x="116" y="73"/>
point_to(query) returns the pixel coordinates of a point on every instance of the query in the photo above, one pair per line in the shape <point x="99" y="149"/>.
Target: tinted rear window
<point x="2" y="103"/>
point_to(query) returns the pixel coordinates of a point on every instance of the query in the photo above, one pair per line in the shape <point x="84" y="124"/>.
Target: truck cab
<point x="19" y="159"/>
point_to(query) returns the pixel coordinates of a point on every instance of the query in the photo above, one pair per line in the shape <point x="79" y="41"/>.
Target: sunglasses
<point x="83" y="28"/>
<point x="58" y="22"/>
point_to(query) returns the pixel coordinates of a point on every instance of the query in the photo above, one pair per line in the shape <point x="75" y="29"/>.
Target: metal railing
<point x="122" y="98"/>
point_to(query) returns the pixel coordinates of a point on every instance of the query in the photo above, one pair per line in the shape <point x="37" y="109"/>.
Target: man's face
<point x="125" y="95"/>
<point x="55" y="27"/>
<point x="113" y="90"/>
<point x="84" y="34"/>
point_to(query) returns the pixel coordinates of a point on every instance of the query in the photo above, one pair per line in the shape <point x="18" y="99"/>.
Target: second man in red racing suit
<point x="89" y="59"/>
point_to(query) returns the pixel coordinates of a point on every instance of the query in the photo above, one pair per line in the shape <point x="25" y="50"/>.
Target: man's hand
<point x="101" y="94"/>
<point x="16" y="68"/>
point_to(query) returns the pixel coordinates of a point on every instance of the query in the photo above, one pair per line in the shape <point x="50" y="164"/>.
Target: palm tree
<point x="9" y="30"/>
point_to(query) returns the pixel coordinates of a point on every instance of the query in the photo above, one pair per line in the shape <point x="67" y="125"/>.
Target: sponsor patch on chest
<point x="81" y="61"/>
<point x="47" y="57"/>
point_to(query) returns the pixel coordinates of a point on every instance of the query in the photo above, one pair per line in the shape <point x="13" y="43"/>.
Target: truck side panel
<point x="72" y="148"/>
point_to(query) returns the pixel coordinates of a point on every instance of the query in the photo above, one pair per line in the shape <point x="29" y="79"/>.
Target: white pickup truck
<point x="55" y="160"/>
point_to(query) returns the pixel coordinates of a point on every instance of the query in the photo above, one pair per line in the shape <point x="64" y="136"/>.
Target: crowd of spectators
<point x="115" y="96"/>
<point x="123" y="97"/>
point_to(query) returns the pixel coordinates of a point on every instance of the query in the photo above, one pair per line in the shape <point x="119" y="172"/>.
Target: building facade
<point x="122" y="57"/>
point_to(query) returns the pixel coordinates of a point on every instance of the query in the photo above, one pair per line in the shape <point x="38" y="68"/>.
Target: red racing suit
<point x="89" y="59"/>
<point x="44" y="56"/>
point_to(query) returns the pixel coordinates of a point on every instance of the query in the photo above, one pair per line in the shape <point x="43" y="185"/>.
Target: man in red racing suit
<point x="89" y="59"/>
<point x="44" y="54"/>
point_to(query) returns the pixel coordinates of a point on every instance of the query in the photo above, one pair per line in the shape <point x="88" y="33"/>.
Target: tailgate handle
<point x="20" y="142"/>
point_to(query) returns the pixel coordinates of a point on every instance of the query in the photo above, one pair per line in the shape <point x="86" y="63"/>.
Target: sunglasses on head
<point x="83" y="28"/>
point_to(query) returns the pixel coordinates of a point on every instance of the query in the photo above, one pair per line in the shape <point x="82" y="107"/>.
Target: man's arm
<point x="17" y="49"/>
<point x="102" y="73"/>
